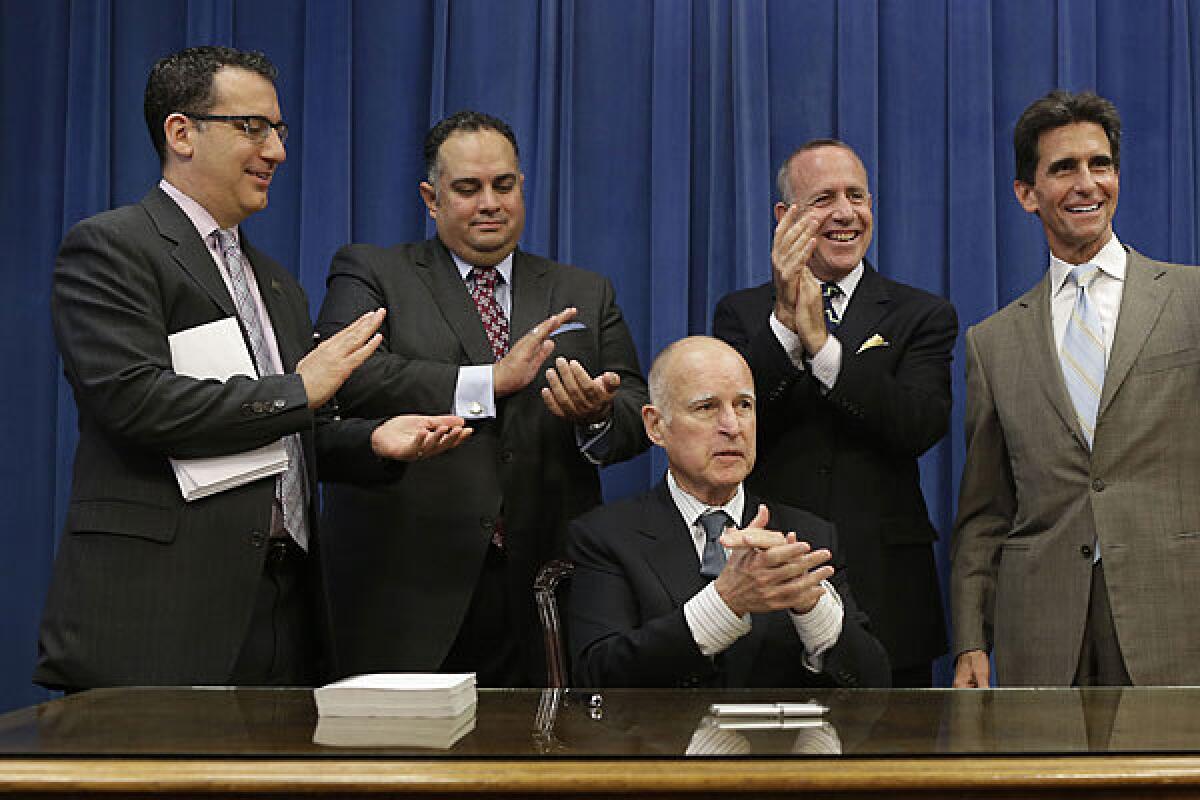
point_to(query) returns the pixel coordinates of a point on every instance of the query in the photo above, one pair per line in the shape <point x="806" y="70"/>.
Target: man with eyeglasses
<point x="148" y="588"/>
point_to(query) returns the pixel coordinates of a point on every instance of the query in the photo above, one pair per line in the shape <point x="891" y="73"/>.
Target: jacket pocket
<point x="123" y="518"/>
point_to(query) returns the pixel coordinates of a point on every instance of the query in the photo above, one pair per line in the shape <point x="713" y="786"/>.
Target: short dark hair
<point x="1056" y="109"/>
<point x="183" y="81"/>
<point x="783" y="183"/>
<point x="462" y="121"/>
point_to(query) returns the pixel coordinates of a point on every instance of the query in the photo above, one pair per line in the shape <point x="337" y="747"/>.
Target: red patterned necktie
<point x="482" y="285"/>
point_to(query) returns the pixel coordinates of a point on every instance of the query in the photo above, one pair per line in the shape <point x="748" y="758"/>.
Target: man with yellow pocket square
<point x="852" y="372"/>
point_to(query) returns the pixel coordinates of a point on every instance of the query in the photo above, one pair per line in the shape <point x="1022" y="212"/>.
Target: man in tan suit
<point x="1076" y="554"/>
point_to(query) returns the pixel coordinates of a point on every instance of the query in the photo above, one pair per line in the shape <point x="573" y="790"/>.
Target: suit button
<point x="1085" y="551"/>
<point x="1097" y="485"/>
<point x="258" y="539"/>
<point x="506" y="457"/>
<point x="823" y="470"/>
<point x="487" y="523"/>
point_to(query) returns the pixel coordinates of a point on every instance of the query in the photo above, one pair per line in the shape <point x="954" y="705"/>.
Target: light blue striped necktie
<point x="1082" y="352"/>
<point x="290" y="489"/>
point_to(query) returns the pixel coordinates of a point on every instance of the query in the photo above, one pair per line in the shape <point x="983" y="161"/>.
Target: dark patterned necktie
<point x="714" y="524"/>
<point x="830" y="290"/>
<point x="289" y="486"/>
<point x="482" y="285"/>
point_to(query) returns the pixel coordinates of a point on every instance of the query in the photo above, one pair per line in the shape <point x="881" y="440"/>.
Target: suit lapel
<point x="667" y="546"/>
<point x="190" y="252"/>
<point x="1142" y="302"/>
<point x="437" y="270"/>
<point x="866" y="308"/>
<point x="1037" y="342"/>
<point x="530" y="295"/>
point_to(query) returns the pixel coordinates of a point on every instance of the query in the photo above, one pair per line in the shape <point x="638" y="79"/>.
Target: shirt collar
<point x="505" y="267"/>
<point x="203" y="221"/>
<point x="691" y="509"/>
<point x="1111" y="261"/>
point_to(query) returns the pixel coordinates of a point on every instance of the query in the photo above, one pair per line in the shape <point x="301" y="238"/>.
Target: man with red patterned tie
<point x="435" y="570"/>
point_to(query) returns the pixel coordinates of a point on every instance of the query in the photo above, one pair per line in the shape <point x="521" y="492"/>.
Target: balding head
<point x="701" y="412"/>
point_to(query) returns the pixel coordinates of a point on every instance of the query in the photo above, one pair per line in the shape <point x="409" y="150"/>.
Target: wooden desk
<point x="900" y="743"/>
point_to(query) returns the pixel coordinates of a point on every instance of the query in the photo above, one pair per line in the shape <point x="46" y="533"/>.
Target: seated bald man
<point x="696" y="583"/>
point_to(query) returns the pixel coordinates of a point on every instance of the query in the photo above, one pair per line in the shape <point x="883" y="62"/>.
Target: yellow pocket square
<point x="875" y="341"/>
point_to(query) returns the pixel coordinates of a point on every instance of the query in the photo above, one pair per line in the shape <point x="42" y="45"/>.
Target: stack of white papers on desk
<point x="218" y="351"/>
<point x="433" y="732"/>
<point x="398" y="694"/>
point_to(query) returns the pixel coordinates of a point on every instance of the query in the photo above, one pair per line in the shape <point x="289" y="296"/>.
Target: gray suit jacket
<point x="1033" y="498"/>
<point x="148" y="589"/>
<point x="403" y="558"/>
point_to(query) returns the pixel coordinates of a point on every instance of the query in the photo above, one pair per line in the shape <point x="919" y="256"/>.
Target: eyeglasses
<point x="256" y="126"/>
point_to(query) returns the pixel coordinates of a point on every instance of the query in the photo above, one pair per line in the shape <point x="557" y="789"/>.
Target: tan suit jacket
<point x="1033" y="499"/>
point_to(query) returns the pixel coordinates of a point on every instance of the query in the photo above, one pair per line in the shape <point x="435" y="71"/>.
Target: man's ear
<point x="178" y="135"/>
<point x="653" y="421"/>
<point x="780" y="209"/>
<point x="1025" y="196"/>
<point x="429" y="195"/>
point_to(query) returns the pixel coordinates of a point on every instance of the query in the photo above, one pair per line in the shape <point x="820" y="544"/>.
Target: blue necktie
<point x="830" y="290"/>
<point x="714" y="524"/>
<point x="1082" y="352"/>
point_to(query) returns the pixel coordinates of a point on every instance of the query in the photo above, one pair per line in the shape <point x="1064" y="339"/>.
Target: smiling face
<point x="829" y="184"/>
<point x="217" y="164"/>
<point x="1074" y="191"/>
<point x="706" y="420"/>
<point x="479" y="202"/>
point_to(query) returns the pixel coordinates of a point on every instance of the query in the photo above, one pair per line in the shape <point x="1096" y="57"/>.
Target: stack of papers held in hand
<point x="216" y="351"/>
<point x="398" y="694"/>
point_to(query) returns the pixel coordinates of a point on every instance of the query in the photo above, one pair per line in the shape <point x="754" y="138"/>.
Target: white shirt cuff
<point x="474" y="396"/>
<point x="789" y="341"/>
<point x="713" y="625"/>
<point x="820" y="628"/>
<point x="827" y="363"/>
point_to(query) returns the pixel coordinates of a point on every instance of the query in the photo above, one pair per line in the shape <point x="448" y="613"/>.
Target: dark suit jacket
<point x="403" y="558"/>
<point x="149" y="589"/>
<point x="636" y="566"/>
<point x="850" y="456"/>
<point x="1034" y="497"/>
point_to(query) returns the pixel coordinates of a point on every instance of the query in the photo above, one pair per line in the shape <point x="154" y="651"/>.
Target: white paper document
<point x="217" y="350"/>
<point x="398" y="694"/>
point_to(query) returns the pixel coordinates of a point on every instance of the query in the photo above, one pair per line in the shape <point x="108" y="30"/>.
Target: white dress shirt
<point x="715" y="627"/>
<point x="1105" y="293"/>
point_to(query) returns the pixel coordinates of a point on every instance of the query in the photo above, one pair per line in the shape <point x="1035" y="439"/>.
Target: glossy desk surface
<point x="918" y="743"/>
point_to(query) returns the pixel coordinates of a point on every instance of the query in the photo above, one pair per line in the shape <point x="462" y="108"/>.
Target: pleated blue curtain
<point x="650" y="134"/>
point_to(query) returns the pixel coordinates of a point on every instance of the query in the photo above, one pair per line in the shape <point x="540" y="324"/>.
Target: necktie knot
<point x="833" y="319"/>
<point x="485" y="278"/>
<point x="1082" y="275"/>
<point x="714" y="524"/>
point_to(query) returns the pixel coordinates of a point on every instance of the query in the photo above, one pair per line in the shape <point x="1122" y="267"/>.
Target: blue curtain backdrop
<point x="649" y="131"/>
